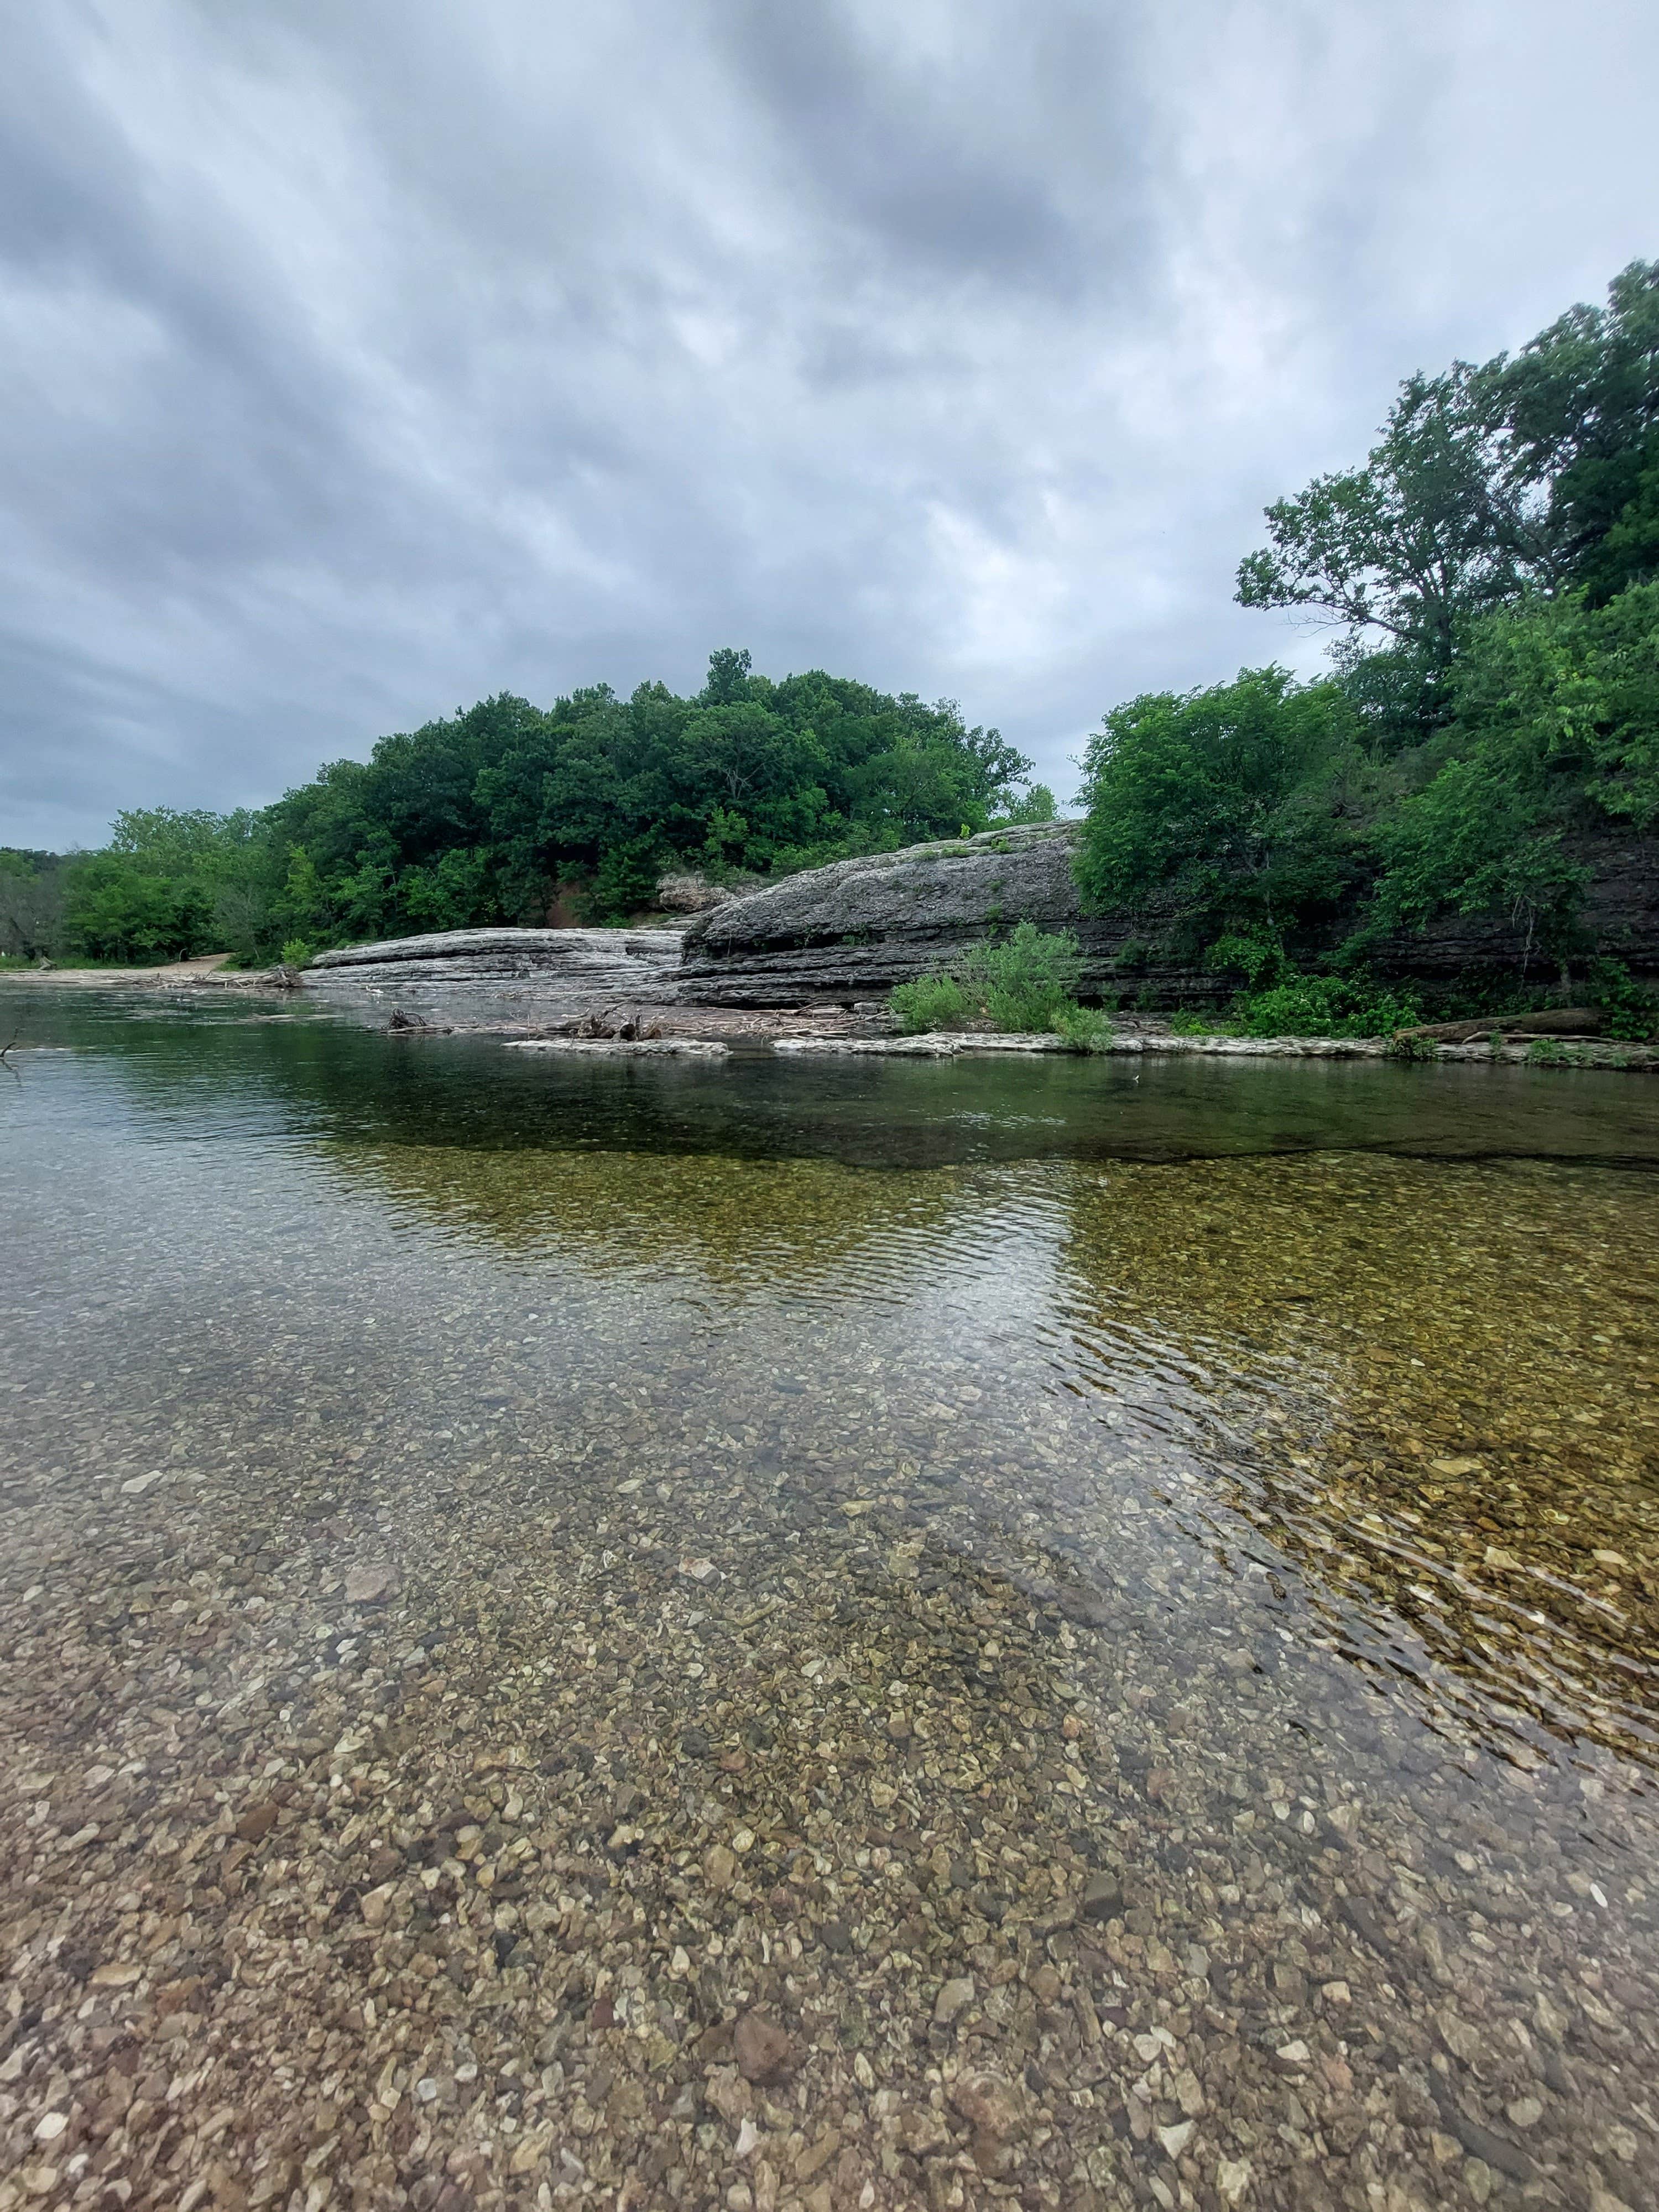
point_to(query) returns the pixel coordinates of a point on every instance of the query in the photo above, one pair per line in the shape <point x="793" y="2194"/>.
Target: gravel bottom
<point x="537" y="1680"/>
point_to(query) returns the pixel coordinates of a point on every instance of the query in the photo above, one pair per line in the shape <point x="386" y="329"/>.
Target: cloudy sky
<point x="363" y="357"/>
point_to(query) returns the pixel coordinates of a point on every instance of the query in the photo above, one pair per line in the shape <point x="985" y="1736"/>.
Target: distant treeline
<point x="499" y="812"/>
<point x="1489" y="729"/>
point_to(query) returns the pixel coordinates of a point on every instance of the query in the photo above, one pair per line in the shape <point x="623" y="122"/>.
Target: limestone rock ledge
<point x="626" y="1047"/>
<point x="853" y="929"/>
<point x="530" y="973"/>
<point x="845" y="934"/>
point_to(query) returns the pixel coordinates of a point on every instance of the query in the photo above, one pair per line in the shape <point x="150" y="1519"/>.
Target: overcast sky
<point x="361" y="357"/>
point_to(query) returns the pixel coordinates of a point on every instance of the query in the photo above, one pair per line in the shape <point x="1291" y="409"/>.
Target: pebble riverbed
<point x="631" y="1679"/>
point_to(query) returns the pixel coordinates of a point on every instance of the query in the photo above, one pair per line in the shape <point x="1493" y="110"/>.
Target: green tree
<point x="1240" y="807"/>
<point x="1554" y="735"/>
<point x="116" y="911"/>
<point x="449" y="892"/>
<point x="169" y="884"/>
<point x="1479" y="839"/>
<point x="1432" y="531"/>
<point x="1581" y="407"/>
<point x="31" y="903"/>
<point x="626" y="878"/>
<point x="1034" y="804"/>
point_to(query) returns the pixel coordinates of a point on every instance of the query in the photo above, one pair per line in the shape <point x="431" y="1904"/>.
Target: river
<point x="815" y="1634"/>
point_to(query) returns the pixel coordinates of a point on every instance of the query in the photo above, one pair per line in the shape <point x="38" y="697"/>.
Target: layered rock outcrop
<point x="848" y="933"/>
<point x="852" y="930"/>
<point x="529" y="973"/>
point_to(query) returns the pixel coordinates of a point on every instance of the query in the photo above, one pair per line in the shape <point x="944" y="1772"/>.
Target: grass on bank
<point x="1023" y="984"/>
<point x="1279" y="999"/>
<point x="1027" y="983"/>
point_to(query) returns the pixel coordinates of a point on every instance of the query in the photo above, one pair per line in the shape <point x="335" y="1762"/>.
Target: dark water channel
<point x="793" y="1634"/>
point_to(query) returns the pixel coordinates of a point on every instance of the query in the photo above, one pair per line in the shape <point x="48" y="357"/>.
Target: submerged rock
<point x="622" y="1047"/>
<point x="765" y="2051"/>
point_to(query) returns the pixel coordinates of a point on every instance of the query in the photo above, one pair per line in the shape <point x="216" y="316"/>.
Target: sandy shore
<point x="211" y="969"/>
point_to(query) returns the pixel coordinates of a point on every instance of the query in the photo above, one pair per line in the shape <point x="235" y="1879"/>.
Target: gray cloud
<point x="359" y="361"/>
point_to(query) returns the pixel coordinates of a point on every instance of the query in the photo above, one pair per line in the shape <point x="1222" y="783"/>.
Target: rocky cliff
<point x="856" y="928"/>
<point x="848" y="933"/>
<point x="852" y="930"/>
<point x="529" y="973"/>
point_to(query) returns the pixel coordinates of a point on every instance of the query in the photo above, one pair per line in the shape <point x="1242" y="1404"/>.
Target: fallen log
<point x="1545" y="1021"/>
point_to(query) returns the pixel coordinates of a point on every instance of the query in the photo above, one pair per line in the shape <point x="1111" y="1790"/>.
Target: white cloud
<point x="363" y="360"/>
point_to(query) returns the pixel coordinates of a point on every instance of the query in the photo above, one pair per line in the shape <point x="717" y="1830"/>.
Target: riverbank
<point x="212" y="971"/>
<point x="1544" y="1052"/>
<point x="656" y="1032"/>
<point x="652" y="1030"/>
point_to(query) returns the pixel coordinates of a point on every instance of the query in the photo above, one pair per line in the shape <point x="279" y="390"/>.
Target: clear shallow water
<point x="1234" y="1482"/>
<point x="222" y="1069"/>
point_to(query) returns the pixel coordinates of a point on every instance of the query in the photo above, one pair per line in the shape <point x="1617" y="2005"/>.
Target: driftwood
<point x="1580" y="1022"/>
<point x="631" y="1028"/>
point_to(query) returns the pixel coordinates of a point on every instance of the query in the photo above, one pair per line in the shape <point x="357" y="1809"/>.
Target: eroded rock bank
<point x="857" y="927"/>
<point x="837" y="940"/>
<point x="536" y="974"/>
<point x="854" y="929"/>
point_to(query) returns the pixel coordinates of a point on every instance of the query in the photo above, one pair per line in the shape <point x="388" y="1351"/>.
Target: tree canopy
<point x="493" y="814"/>
<point x="1432" y="531"/>
<point x="1536" y="472"/>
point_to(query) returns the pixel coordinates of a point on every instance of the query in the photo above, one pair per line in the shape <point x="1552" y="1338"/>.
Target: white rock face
<point x="531" y="975"/>
<point x="854" y="928"/>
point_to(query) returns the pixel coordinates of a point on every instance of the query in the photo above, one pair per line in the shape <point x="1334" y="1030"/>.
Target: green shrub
<point x="1027" y="978"/>
<point x="297" y="953"/>
<point x="1323" y="1005"/>
<point x="1405" y="1047"/>
<point x="1025" y="984"/>
<point x="1201" y="1025"/>
<point x="1628" y="1009"/>
<point x="931" y="1002"/>
<point x="1259" y="959"/>
<point x="1084" y="1028"/>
